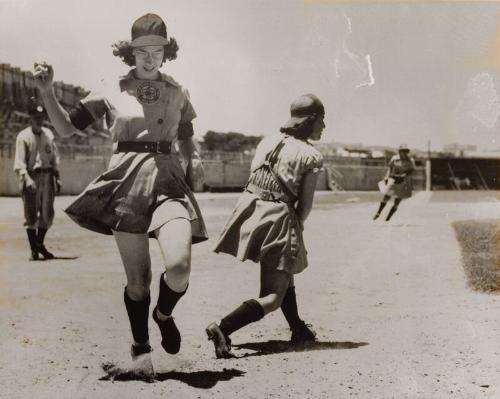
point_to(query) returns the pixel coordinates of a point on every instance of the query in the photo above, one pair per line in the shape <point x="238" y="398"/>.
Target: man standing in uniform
<point x="37" y="166"/>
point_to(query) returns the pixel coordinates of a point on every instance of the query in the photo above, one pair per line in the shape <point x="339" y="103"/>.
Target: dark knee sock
<point x="248" y="312"/>
<point x="32" y="238"/>
<point x="391" y="212"/>
<point x="381" y="207"/>
<point x="138" y="313"/>
<point x="167" y="299"/>
<point x="41" y="236"/>
<point x="289" y="308"/>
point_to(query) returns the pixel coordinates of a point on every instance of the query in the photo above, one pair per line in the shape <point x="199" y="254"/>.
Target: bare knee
<point x="178" y="273"/>
<point x="271" y="302"/>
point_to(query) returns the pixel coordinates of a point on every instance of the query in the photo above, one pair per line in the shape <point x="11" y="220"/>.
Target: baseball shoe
<point x="375" y="217"/>
<point x="137" y="350"/>
<point x="45" y="253"/>
<point x="35" y="256"/>
<point x="170" y="335"/>
<point x="142" y="366"/>
<point x="222" y="343"/>
<point x="303" y="333"/>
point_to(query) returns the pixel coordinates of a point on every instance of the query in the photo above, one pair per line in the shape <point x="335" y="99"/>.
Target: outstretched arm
<point x="44" y="76"/>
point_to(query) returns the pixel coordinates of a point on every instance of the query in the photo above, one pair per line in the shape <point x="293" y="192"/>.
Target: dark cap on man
<point x="35" y="108"/>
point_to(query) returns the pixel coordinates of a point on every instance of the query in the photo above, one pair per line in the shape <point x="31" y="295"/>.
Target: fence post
<point x="428" y="175"/>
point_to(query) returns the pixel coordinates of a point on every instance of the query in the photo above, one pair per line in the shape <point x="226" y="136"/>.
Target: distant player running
<point x="397" y="180"/>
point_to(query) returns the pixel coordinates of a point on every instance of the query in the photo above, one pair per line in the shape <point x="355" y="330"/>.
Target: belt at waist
<point x="158" y="147"/>
<point x="42" y="170"/>
<point x="267" y="195"/>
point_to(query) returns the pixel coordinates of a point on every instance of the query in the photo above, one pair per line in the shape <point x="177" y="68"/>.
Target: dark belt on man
<point x="43" y="170"/>
<point x="157" y="147"/>
<point x="267" y="195"/>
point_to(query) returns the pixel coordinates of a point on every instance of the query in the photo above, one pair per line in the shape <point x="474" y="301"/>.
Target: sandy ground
<point x="394" y="315"/>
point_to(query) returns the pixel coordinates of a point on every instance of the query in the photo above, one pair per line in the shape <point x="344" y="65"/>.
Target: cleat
<point x="375" y="217"/>
<point x="170" y="335"/>
<point x="221" y="342"/>
<point x="303" y="333"/>
<point x="34" y="256"/>
<point x="45" y="253"/>
<point x="140" y="349"/>
<point x="142" y="365"/>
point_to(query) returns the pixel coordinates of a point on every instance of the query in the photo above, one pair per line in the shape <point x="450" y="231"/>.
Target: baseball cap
<point x="35" y="108"/>
<point x="149" y="30"/>
<point x="404" y="147"/>
<point x="303" y="107"/>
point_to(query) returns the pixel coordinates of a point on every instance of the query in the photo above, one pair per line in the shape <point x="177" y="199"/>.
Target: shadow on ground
<point x="204" y="379"/>
<point x="277" y="346"/>
<point x="55" y="258"/>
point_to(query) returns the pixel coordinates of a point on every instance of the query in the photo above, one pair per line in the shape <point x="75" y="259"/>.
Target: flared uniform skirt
<point x="138" y="193"/>
<point x="401" y="190"/>
<point x="259" y="229"/>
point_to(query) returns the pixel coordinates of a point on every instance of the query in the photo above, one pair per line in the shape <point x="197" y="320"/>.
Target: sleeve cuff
<point x="185" y="131"/>
<point x="80" y="117"/>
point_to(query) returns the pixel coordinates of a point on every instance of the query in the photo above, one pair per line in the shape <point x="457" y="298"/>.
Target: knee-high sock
<point x="381" y="207"/>
<point x="167" y="299"/>
<point x="248" y="312"/>
<point x="289" y="308"/>
<point x="32" y="240"/>
<point x="138" y="313"/>
<point x="394" y="208"/>
<point x="41" y="236"/>
<point x="391" y="212"/>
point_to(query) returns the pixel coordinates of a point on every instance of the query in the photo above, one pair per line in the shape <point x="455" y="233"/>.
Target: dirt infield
<point x="394" y="315"/>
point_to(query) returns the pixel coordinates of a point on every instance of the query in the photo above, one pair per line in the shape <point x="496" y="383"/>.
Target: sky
<point x="388" y="72"/>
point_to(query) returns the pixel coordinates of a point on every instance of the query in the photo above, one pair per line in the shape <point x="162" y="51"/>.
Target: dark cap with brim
<point x="35" y="109"/>
<point x="149" y="30"/>
<point x="302" y="108"/>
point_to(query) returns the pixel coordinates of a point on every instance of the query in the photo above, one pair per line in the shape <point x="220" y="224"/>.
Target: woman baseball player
<point x="145" y="192"/>
<point x="398" y="179"/>
<point x="266" y="225"/>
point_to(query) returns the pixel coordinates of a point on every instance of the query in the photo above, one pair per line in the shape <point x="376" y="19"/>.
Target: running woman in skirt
<point x="266" y="225"/>
<point x="146" y="190"/>
<point x="398" y="177"/>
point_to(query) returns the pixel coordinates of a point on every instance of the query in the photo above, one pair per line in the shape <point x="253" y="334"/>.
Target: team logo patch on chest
<point x="146" y="93"/>
<point x="48" y="149"/>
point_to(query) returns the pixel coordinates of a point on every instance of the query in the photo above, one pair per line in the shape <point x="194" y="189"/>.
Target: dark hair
<point x="123" y="49"/>
<point x="301" y="131"/>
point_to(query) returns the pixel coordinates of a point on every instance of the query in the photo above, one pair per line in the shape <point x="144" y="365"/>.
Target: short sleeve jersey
<point x="401" y="166"/>
<point x="35" y="151"/>
<point x="163" y="111"/>
<point x="295" y="159"/>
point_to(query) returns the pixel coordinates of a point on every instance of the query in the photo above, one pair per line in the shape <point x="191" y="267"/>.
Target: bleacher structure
<point x="17" y="86"/>
<point x="465" y="173"/>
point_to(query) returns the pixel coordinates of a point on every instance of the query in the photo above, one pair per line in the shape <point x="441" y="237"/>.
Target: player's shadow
<point x="203" y="379"/>
<point x="63" y="258"/>
<point x="278" y="346"/>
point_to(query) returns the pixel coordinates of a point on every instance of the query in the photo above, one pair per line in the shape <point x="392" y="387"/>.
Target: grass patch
<point x="480" y="244"/>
